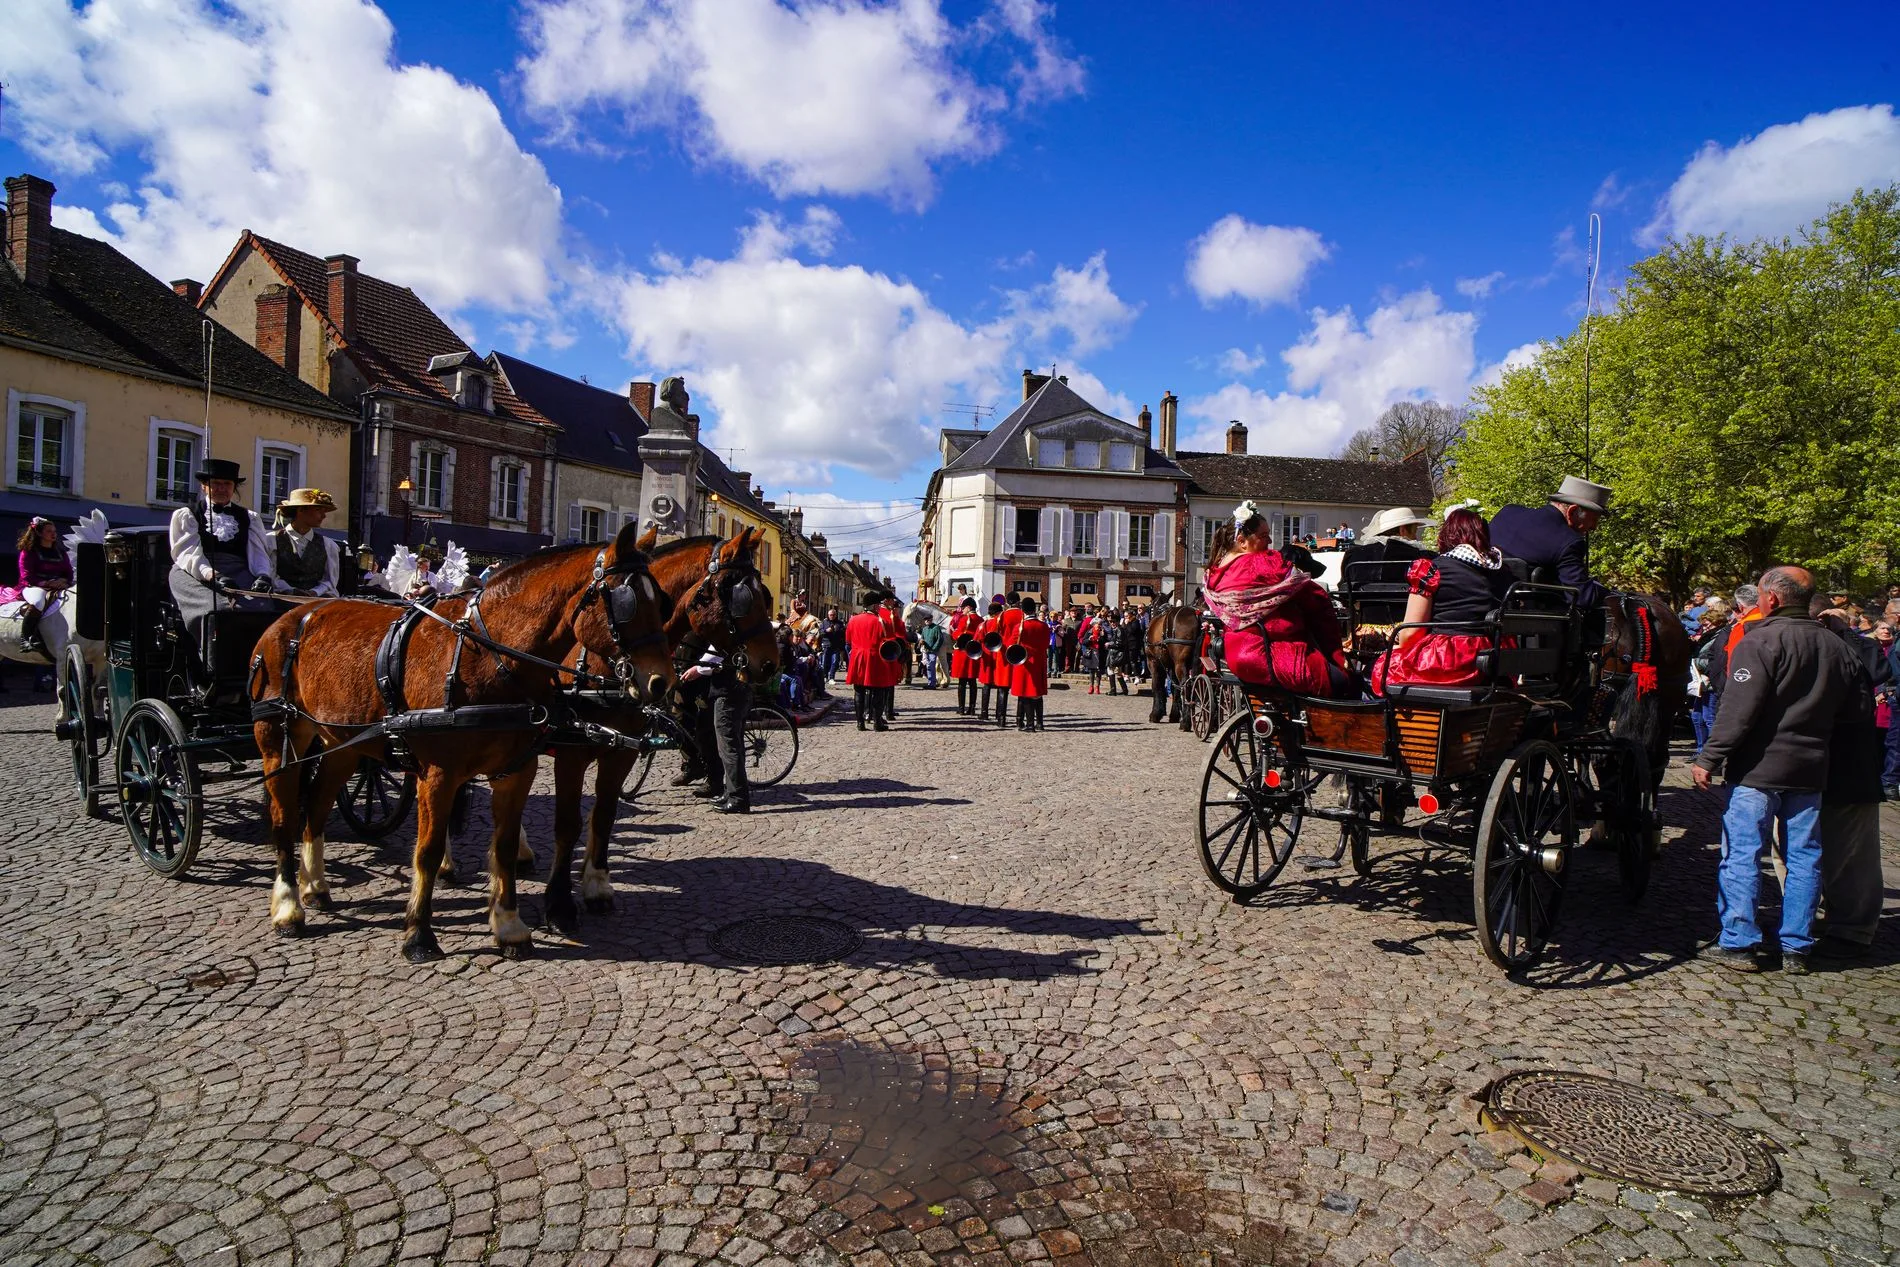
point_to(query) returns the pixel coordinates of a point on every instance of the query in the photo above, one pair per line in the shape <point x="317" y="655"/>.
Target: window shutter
<point x="448" y="482"/>
<point x="1047" y="521"/>
<point x="574" y="520"/>
<point x="1164" y="539"/>
<point x="1006" y="526"/>
<point x="629" y="518"/>
<point x="494" y="488"/>
<point x="1121" y="534"/>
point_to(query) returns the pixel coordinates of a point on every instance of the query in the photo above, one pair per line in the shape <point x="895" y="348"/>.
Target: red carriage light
<point x="1428" y="804"/>
<point x="1263" y="725"/>
<point x="1273" y="778"/>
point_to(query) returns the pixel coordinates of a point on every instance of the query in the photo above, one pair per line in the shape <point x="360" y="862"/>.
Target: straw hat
<point x="308" y="497"/>
<point x="1392" y="520"/>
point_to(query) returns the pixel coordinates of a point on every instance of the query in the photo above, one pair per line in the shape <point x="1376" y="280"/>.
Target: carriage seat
<point x="1408" y="693"/>
<point x="231" y="637"/>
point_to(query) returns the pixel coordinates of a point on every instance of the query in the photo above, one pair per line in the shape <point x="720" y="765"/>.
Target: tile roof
<point x="720" y="478"/>
<point x="1334" y="481"/>
<point x="1004" y="446"/>
<point x="591" y="419"/>
<point x="394" y="336"/>
<point x="98" y="303"/>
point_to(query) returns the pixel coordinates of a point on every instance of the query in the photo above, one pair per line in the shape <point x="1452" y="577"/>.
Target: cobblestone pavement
<point x="1056" y="1041"/>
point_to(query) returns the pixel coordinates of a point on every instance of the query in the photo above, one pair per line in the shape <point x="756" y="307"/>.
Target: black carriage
<point x="1504" y="770"/>
<point x="164" y="724"/>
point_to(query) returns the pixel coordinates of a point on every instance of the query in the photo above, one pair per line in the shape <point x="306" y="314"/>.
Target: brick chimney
<point x="340" y="303"/>
<point x="1032" y="383"/>
<point x="280" y="325"/>
<point x="795" y="519"/>
<point x="641" y="397"/>
<point x="1169" y="404"/>
<point x="30" y="228"/>
<point x="188" y="290"/>
<point x="1236" y="436"/>
<point x="744" y="478"/>
<point x="758" y="494"/>
<point x="1147" y="421"/>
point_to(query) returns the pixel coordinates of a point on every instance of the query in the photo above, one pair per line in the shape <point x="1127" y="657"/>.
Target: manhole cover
<point x="783" y="939"/>
<point x="1630" y="1133"/>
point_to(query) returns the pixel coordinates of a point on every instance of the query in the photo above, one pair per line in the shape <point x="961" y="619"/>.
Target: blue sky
<point x="838" y="218"/>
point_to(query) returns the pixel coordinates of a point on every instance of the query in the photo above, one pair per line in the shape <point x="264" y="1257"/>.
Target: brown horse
<point x="704" y="601"/>
<point x="1174" y="656"/>
<point x="320" y="662"/>
<point x="1644" y="638"/>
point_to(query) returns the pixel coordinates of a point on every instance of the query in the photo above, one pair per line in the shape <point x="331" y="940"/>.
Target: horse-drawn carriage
<point x="161" y="725"/>
<point x="1506" y="769"/>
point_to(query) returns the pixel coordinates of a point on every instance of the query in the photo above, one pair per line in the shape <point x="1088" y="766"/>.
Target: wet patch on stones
<point x="237" y="973"/>
<point x="911" y="1153"/>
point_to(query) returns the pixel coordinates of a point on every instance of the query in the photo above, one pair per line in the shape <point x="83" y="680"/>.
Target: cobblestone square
<point x="1055" y="1041"/>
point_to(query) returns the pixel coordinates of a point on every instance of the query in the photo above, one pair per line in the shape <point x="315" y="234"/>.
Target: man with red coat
<point x="964" y="667"/>
<point x="891" y="612"/>
<point x="865" y="670"/>
<point x="991" y="671"/>
<point x="1029" y="680"/>
<point x="1008" y="621"/>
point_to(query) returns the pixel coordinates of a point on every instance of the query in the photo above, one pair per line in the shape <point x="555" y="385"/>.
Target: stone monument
<point x="669" y="452"/>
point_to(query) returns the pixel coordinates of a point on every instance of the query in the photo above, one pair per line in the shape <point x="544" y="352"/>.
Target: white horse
<point x="56" y="622"/>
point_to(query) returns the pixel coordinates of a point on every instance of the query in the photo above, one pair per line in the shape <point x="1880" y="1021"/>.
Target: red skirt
<point x="1431" y="659"/>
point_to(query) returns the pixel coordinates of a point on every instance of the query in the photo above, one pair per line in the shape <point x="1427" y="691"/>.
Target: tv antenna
<point x="977" y="412"/>
<point x="732" y="452"/>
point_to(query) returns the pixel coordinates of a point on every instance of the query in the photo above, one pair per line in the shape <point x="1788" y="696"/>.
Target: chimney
<point x="188" y="290"/>
<point x="30" y="228"/>
<point x="640" y="396"/>
<point x="1032" y="383"/>
<point x="279" y="325"/>
<point x="744" y="479"/>
<point x="1169" y="404"/>
<point x="796" y="518"/>
<point x="1147" y="421"/>
<point x="340" y="303"/>
<point x="1236" y="436"/>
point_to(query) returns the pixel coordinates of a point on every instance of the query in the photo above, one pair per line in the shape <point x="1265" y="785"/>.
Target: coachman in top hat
<point x="220" y="551"/>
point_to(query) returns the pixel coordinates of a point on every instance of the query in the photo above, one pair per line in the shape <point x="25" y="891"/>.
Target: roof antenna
<point x="1593" y="260"/>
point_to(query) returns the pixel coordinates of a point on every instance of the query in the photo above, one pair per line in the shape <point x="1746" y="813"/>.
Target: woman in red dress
<point x="1281" y="630"/>
<point x="1463" y="585"/>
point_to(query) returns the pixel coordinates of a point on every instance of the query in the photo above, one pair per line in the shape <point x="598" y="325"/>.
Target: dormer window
<point x="471" y="390"/>
<point x="467" y="379"/>
<point x="1121" y="457"/>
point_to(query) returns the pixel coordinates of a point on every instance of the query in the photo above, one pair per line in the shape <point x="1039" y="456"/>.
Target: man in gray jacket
<point x="1788" y="682"/>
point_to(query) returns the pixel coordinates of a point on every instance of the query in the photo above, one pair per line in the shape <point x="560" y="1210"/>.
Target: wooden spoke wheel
<point x="82" y="730"/>
<point x="1203" y="711"/>
<point x="376" y="800"/>
<point x="770" y="744"/>
<point x="1626" y="802"/>
<point x="1251" y="808"/>
<point x="1517" y="870"/>
<point x="158" y="788"/>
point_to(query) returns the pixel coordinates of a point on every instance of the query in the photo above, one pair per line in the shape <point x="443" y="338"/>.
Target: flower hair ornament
<point x="1245" y="511"/>
<point x="1470" y="503"/>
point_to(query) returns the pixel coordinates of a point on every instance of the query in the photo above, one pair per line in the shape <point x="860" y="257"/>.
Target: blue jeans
<point x="1702" y="717"/>
<point x="831" y="661"/>
<point x="930" y="667"/>
<point x="1748" y="832"/>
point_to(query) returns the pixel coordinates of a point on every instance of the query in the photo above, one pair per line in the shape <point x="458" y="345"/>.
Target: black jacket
<point x="1558" y="554"/>
<point x="1789" y="684"/>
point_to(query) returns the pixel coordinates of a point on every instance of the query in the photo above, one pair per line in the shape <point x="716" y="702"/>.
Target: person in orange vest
<point x="964" y="667"/>
<point x="990" y="667"/>
<point x="1029" y="679"/>
<point x="1007" y="623"/>
<point x="890" y="611"/>
<point x="865" y="670"/>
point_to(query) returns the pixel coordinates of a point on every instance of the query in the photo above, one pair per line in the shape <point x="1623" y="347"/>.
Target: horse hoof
<point x="322" y="901"/>
<point x="421" y="949"/>
<point x="598" y="905"/>
<point x="516" y="950"/>
<point x="292" y="929"/>
<point x="564" y="920"/>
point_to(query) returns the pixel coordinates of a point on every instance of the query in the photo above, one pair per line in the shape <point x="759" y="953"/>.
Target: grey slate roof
<point x="99" y="304"/>
<point x="591" y="419"/>
<point x="1332" y="481"/>
<point x="1004" y="445"/>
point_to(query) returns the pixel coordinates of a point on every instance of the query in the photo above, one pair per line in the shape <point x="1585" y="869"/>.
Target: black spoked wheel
<point x="376" y="800"/>
<point x="82" y="730"/>
<point x="1251" y="807"/>
<point x="1357" y="835"/>
<point x="158" y="788"/>
<point x="1203" y="712"/>
<point x="1626" y="801"/>
<point x="771" y="744"/>
<point x="1524" y="839"/>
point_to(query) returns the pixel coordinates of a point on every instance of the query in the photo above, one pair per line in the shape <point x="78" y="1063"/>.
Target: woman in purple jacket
<point x="45" y="573"/>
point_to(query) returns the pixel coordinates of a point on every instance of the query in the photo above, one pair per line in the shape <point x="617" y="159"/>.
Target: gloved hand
<point x="207" y="573"/>
<point x="262" y="585"/>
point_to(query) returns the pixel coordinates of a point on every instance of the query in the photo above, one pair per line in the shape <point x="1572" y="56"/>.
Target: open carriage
<point x="163" y="725"/>
<point x="1508" y="770"/>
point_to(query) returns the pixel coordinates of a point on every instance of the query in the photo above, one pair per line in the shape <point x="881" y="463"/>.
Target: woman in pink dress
<point x="1281" y="630"/>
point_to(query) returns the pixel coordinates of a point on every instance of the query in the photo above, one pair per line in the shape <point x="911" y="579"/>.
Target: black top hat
<point x="218" y="469"/>
<point x="869" y="598"/>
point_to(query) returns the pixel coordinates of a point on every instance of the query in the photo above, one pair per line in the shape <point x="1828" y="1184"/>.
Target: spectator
<point x="930" y="639"/>
<point x="1852" y="887"/>
<point x="1887" y="709"/>
<point x="1703" y="672"/>
<point x="1692" y="614"/>
<point x="45" y="573"/>
<point x="1788" y="682"/>
<point x="831" y="644"/>
<point x="1743" y="612"/>
<point x="1067" y="641"/>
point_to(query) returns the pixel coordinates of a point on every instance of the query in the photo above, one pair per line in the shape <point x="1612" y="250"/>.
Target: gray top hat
<point x="1581" y="492"/>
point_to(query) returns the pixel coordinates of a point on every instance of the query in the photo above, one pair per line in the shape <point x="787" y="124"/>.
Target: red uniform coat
<point x="862" y="637"/>
<point x="1030" y="679"/>
<point x="961" y="665"/>
<point x="1012" y="620"/>
<point x="892" y="623"/>
<point x="988" y="663"/>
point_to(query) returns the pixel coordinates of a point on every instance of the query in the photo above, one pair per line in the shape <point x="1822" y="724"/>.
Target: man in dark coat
<point x="1554" y="539"/>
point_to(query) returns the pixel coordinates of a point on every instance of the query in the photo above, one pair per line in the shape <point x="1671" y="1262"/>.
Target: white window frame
<point x="496" y="466"/>
<point x="299" y="466"/>
<point x="969" y="518"/>
<point x="416" y="452"/>
<point x="610" y="521"/>
<point x="73" y="460"/>
<point x="156" y="426"/>
<point x="1093" y="520"/>
<point x="1016" y="531"/>
<point x="1138" y="549"/>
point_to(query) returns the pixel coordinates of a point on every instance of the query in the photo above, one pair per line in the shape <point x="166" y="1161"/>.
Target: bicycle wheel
<point x="771" y="744"/>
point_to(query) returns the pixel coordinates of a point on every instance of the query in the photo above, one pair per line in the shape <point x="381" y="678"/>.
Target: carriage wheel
<point x="82" y="730"/>
<point x="1201" y="707"/>
<point x="1626" y="801"/>
<point x="1357" y="835"/>
<point x="158" y="788"/>
<point x="771" y="744"/>
<point x="1246" y="829"/>
<point x="1517" y="869"/>
<point x="376" y="800"/>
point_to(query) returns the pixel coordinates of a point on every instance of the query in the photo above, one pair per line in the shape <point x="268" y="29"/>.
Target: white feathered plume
<point x="399" y="574"/>
<point x="453" y="574"/>
<point x="88" y="531"/>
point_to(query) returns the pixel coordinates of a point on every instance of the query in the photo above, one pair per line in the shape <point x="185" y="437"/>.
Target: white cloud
<point x="814" y="365"/>
<point x="1479" y="287"/>
<point x="1341" y="375"/>
<point x="290" y="117"/>
<point x="1238" y="364"/>
<point x="809" y="96"/>
<point x="1775" y="183"/>
<point x="1261" y="263"/>
<point x="1612" y="193"/>
<point x="1522" y="354"/>
<point x="882" y="533"/>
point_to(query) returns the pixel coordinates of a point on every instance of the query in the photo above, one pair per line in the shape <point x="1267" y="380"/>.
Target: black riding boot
<point x="30" y="633"/>
<point x="857" y="704"/>
<point x="1002" y="708"/>
<point x="987" y="692"/>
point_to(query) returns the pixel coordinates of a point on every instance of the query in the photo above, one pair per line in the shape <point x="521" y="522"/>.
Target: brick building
<point x="444" y="449"/>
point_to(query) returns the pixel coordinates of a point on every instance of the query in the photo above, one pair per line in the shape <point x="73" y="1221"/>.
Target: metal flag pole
<point x="210" y="331"/>
<point x="1592" y="260"/>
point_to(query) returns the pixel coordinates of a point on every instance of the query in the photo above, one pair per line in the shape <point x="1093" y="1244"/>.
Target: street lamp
<point x="408" y="494"/>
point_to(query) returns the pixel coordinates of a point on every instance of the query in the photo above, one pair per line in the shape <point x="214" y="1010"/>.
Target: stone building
<point x="597" y="471"/>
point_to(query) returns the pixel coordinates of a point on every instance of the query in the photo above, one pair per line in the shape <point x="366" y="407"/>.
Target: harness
<point x="737" y="602"/>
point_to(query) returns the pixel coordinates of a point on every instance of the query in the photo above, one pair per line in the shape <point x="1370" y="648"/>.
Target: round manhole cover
<point x="1630" y="1134"/>
<point x="786" y="939"/>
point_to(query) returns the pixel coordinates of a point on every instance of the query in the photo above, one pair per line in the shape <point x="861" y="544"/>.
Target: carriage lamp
<point x="118" y="548"/>
<point x="1428" y="804"/>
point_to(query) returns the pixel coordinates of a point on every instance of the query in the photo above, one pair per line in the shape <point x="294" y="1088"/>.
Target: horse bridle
<point x="732" y="583"/>
<point x="621" y="601"/>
